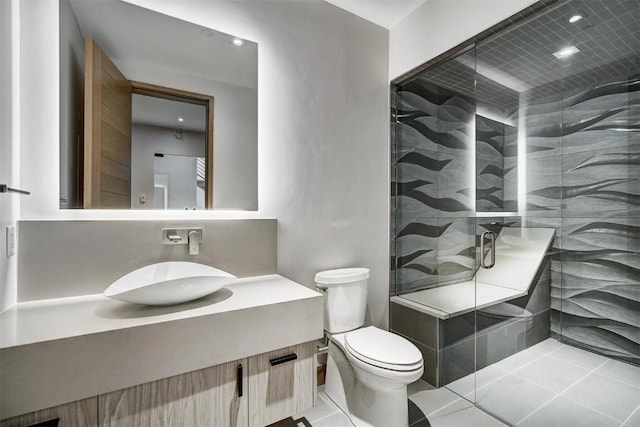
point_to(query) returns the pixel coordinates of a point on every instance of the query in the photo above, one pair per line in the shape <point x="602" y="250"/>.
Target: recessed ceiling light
<point x="207" y="32"/>
<point x="566" y="52"/>
<point x="575" y="18"/>
<point x="237" y="42"/>
<point x="180" y="119"/>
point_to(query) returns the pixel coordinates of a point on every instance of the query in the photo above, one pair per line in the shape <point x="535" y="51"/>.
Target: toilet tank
<point x="345" y="298"/>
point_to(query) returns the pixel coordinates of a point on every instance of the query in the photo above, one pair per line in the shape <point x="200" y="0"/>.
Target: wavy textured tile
<point x="622" y="87"/>
<point x="610" y="228"/>
<point x="424" y="229"/>
<point x="609" y="159"/>
<point x="424" y="161"/>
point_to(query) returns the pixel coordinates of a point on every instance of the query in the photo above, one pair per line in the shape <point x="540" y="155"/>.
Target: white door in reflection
<point x="178" y="182"/>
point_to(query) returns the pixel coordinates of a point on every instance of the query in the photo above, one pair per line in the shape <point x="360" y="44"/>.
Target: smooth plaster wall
<point x="9" y="148"/>
<point x="95" y="254"/>
<point x="439" y="25"/>
<point x="323" y="160"/>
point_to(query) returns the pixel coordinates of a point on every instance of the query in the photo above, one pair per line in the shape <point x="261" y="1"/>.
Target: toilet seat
<point x="383" y="349"/>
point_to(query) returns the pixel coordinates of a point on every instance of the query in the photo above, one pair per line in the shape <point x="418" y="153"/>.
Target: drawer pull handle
<point x="283" y="359"/>
<point x="240" y="380"/>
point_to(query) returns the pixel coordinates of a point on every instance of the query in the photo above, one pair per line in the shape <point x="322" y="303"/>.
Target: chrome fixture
<point x="4" y="188"/>
<point x="183" y="236"/>
<point x="492" y="238"/>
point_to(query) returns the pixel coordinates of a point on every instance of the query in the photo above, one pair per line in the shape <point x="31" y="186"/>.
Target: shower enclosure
<point x="523" y="146"/>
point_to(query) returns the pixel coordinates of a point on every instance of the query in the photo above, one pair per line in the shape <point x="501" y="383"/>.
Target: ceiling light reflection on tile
<point x="566" y="52"/>
<point x="575" y="18"/>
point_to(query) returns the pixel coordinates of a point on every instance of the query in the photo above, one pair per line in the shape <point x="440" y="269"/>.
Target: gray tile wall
<point x="585" y="183"/>
<point x="432" y="202"/>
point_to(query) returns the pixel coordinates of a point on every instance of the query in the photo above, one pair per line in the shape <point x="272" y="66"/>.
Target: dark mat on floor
<point x="290" y="422"/>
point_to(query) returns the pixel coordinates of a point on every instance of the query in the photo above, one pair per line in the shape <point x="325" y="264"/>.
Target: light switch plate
<point x="11" y="240"/>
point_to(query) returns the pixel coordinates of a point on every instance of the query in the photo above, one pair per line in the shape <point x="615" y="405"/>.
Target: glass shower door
<point x="434" y="234"/>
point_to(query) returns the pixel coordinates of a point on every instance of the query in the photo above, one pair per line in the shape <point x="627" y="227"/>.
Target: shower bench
<point x="466" y="326"/>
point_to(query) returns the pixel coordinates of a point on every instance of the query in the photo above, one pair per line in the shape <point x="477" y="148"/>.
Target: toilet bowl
<point x="368" y="369"/>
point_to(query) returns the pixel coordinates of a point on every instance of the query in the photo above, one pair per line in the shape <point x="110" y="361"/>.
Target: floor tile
<point x="466" y="386"/>
<point x="415" y="413"/>
<point x="621" y="371"/>
<point x="520" y="359"/>
<point x="633" y="420"/>
<point x="462" y="414"/>
<point x="430" y="401"/>
<point x="512" y="398"/>
<point x="335" y="420"/>
<point x="418" y="386"/>
<point x="566" y="413"/>
<point x="606" y="395"/>
<point x="324" y="407"/>
<point x="551" y="373"/>
<point x="547" y="346"/>
<point x="579" y="357"/>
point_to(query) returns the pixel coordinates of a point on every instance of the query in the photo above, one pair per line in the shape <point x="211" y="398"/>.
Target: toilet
<point x="368" y="369"/>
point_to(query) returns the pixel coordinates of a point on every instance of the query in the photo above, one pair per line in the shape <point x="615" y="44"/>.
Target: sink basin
<point x="167" y="283"/>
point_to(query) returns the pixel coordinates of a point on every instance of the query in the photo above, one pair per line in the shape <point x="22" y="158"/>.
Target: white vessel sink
<point x="168" y="283"/>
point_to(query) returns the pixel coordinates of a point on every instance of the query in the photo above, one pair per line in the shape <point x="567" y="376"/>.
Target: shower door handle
<point x="492" y="250"/>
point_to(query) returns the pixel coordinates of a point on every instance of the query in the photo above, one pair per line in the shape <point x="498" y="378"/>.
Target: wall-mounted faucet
<point x="194" y="238"/>
<point x="183" y="236"/>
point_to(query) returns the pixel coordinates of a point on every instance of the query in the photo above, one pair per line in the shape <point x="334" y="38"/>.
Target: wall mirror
<point x="138" y="87"/>
<point x="496" y="166"/>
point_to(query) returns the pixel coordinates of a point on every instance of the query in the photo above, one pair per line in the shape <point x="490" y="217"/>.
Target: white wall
<point x="9" y="147"/>
<point x="439" y="25"/>
<point x="145" y="142"/>
<point x="323" y="160"/>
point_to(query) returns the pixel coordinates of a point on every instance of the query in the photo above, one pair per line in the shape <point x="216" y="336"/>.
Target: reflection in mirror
<point x="153" y="50"/>
<point x="496" y="166"/>
<point x="178" y="182"/>
<point x="174" y="129"/>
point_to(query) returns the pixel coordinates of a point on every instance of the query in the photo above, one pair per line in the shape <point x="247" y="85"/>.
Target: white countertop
<point x="61" y="350"/>
<point x="53" y="319"/>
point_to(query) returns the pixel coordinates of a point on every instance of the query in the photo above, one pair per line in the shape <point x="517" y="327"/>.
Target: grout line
<point x="561" y="393"/>
<point x="617" y="378"/>
<point x="447" y="405"/>
<point x="629" y="417"/>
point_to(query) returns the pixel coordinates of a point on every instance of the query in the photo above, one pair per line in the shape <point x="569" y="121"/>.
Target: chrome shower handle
<point x="492" y="237"/>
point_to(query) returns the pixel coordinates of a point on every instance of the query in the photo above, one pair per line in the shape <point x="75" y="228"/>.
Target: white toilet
<point x="368" y="369"/>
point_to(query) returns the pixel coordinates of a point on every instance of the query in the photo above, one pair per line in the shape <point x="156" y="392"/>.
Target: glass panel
<point x="434" y="255"/>
<point x="569" y="88"/>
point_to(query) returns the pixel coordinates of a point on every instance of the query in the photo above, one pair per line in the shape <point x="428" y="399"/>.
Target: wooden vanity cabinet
<point x="82" y="413"/>
<point x="281" y="383"/>
<point x="214" y="396"/>
<point x="254" y="391"/>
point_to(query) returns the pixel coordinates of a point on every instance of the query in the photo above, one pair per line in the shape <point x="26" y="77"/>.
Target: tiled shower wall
<point x="583" y="178"/>
<point x="433" y="232"/>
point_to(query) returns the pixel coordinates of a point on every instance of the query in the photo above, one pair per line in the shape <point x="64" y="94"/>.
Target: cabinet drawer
<point x="281" y="383"/>
<point x="82" y="413"/>
<point x="208" y="397"/>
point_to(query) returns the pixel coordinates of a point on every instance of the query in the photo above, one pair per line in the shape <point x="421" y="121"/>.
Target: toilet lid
<point x="384" y="349"/>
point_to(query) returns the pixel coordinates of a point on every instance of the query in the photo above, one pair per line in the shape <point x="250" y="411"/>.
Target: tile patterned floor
<point x="547" y="385"/>
<point x="556" y="385"/>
